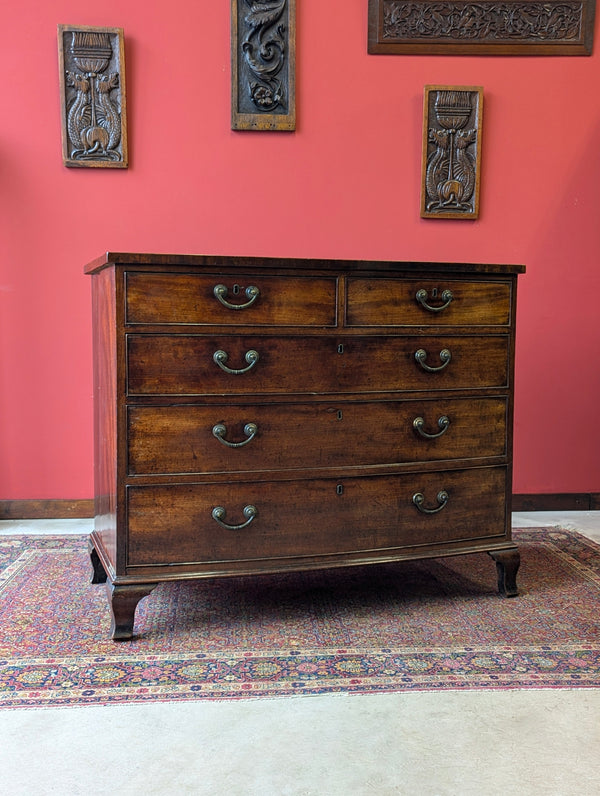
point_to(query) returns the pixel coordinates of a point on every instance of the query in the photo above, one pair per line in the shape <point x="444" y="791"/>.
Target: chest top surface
<point x="199" y="263"/>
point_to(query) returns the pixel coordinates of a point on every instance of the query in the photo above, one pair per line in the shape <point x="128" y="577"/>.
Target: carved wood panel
<point x="263" y="63"/>
<point x="485" y="27"/>
<point x="93" y="96"/>
<point x="451" y="168"/>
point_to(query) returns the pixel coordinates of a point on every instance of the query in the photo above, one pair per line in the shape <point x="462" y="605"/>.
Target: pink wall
<point x="345" y="184"/>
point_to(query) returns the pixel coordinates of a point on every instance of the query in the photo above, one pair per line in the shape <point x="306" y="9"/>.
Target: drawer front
<point x="241" y="300"/>
<point x="395" y="302"/>
<point x="225" y="438"/>
<point x="186" y="364"/>
<point x="170" y="525"/>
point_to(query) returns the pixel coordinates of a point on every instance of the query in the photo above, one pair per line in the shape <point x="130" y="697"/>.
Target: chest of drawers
<point x="257" y="415"/>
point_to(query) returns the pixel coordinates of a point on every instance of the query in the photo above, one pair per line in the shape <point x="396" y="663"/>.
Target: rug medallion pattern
<point x="424" y="625"/>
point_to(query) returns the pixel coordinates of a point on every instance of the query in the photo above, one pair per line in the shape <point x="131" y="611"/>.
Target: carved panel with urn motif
<point x="92" y="90"/>
<point x="452" y="118"/>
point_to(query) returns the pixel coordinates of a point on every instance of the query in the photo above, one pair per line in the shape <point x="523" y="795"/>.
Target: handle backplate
<point x="421" y="357"/>
<point x="220" y="430"/>
<point x="419" y="426"/>
<point x="252" y="293"/>
<point x="218" y="514"/>
<point x="419" y="501"/>
<point x="221" y="357"/>
<point x="422" y="296"/>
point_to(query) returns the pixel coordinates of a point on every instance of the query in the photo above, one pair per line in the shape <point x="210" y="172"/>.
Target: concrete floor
<point x="423" y="744"/>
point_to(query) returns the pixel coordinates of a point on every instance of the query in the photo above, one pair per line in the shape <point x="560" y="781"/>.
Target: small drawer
<point x="226" y="438"/>
<point x="426" y="302"/>
<point x="232" y="300"/>
<point x="268" y="521"/>
<point x="238" y="365"/>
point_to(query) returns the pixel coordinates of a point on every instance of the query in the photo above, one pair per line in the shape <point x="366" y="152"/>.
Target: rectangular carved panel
<point x="451" y="166"/>
<point x="485" y="27"/>
<point x="263" y="63"/>
<point x="93" y="97"/>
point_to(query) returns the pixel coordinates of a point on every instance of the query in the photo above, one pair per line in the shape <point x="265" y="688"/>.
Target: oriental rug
<point x="423" y="625"/>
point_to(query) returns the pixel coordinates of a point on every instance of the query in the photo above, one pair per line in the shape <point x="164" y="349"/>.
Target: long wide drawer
<point x="228" y="438"/>
<point x="237" y="365"/>
<point x="240" y="300"/>
<point x="416" y="302"/>
<point x="253" y="521"/>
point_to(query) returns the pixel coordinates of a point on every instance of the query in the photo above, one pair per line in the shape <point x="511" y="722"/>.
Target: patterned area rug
<point x="427" y="625"/>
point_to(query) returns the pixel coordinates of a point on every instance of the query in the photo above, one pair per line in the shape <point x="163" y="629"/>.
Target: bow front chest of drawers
<point x="257" y="415"/>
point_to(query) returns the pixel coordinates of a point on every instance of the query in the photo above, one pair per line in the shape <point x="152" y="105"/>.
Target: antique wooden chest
<point x="257" y="415"/>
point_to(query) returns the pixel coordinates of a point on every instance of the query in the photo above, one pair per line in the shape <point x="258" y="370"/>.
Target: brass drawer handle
<point x="419" y="501"/>
<point x="219" y="431"/>
<point x="419" y="427"/>
<point x="421" y="356"/>
<point x="422" y="296"/>
<point x="218" y="515"/>
<point x="221" y="357"/>
<point x="221" y="292"/>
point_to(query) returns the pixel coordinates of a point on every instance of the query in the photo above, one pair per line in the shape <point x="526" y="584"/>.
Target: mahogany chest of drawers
<point x="257" y="415"/>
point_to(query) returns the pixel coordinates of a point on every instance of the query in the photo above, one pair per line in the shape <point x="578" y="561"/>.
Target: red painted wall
<point x="345" y="184"/>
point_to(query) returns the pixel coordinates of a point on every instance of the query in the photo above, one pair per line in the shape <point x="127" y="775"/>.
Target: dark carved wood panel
<point x="93" y="97"/>
<point x="487" y="27"/>
<point x="263" y="59"/>
<point x="452" y="117"/>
